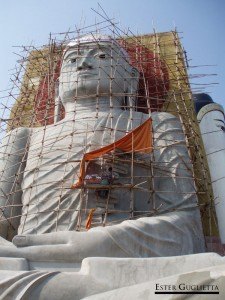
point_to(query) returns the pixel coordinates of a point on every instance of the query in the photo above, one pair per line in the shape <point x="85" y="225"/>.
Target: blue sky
<point x="201" y="23"/>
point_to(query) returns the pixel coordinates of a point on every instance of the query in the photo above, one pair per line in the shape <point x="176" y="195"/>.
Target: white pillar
<point x="212" y="126"/>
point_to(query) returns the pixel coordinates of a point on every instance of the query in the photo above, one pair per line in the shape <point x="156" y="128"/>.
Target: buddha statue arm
<point x="13" y="153"/>
<point x="62" y="246"/>
<point x="175" y="230"/>
<point x="175" y="233"/>
<point x="174" y="227"/>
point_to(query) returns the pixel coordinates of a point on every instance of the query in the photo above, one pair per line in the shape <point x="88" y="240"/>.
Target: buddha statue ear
<point x="58" y="103"/>
<point x="132" y="88"/>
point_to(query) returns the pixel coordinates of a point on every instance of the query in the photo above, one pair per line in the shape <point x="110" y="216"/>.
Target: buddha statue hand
<point x="63" y="246"/>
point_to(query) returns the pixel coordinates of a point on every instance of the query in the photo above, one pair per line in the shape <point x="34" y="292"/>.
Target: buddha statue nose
<point x="85" y="64"/>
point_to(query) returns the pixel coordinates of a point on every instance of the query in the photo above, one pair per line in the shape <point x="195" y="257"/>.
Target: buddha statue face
<point x="95" y="69"/>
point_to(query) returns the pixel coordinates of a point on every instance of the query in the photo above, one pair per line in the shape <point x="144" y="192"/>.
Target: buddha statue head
<point x="96" y="67"/>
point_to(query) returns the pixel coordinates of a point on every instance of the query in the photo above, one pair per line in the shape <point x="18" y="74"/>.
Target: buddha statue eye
<point x="72" y="60"/>
<point x="102" y="55"/>
<point x="220" y="125"/>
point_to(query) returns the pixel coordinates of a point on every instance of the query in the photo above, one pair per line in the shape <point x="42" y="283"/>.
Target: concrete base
<point x="118" y="278"/>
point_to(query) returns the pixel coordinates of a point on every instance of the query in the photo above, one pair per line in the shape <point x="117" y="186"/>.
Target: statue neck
<point x="91" y="106"/>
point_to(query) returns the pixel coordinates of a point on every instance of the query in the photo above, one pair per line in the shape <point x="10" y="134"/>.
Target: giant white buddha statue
<point x="158" y="216"/>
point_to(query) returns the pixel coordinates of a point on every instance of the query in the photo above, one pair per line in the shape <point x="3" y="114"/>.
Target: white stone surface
<point x="212" y="126"/>
<point x="112" y="278"/>
<point x="13" y="264"/>
<point x="211" y="276"/>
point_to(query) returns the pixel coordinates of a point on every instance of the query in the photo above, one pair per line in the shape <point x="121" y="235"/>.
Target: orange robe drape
<point x="138" y="140"/>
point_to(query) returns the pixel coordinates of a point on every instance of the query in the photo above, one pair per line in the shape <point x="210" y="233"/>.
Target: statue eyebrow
<point x="220" y="121"/>
<point x="79" y="50"/>
<point x="72" y="54"/>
